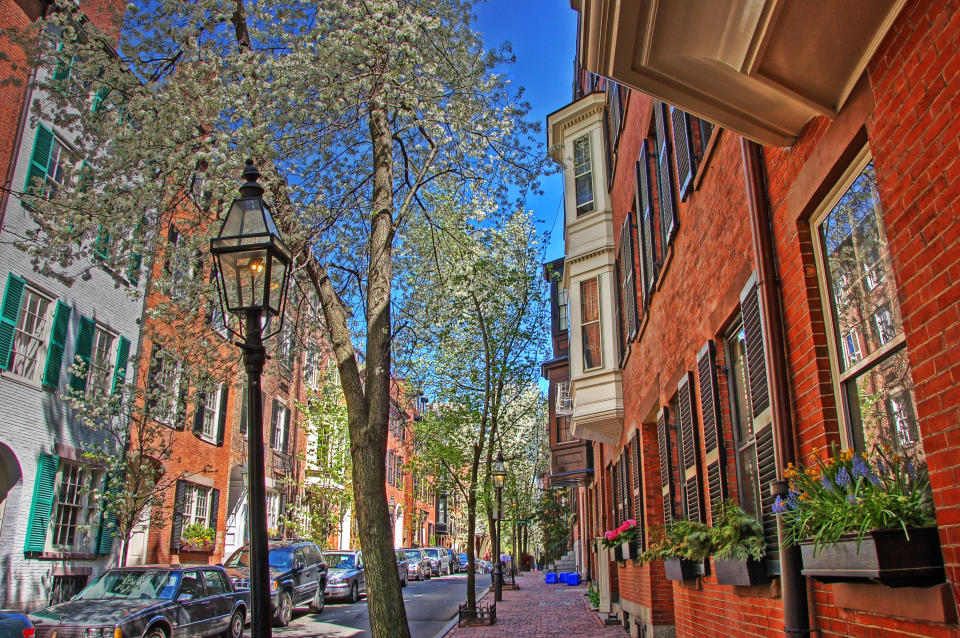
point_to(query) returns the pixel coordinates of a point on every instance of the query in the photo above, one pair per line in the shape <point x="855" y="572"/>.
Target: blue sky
<point x="543" y="36"/>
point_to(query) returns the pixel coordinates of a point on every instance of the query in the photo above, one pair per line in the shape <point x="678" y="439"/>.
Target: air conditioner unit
<point x="564" y="400"/>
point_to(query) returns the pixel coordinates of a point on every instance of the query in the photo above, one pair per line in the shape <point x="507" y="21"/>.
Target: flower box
<point x="744" y="573"/>
<point x="196" y="547"/>
<point x="630" y="550"/>
<point x="884" y="556"/>
<point x="680" y="569"/>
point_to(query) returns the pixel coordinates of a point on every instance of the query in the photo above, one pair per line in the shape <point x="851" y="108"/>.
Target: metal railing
<point x="481" y="615"/>
<point x="556" y="551"/>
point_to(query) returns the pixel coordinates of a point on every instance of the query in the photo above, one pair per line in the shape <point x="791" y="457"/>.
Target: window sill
<point x="205" y="439"/>
<point x="61" y="555"/>
<point x="705" y="160"/>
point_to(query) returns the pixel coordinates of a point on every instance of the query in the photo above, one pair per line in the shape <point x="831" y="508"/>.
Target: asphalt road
<point x="430" y="605"/>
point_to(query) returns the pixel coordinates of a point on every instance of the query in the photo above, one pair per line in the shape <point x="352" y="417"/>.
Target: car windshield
<point x="412" y="555"/>
<point x="280" y="558"/>
<point x="131" y="584"/>
<point x="340" y="561"/>
<point x="432" y="553"/>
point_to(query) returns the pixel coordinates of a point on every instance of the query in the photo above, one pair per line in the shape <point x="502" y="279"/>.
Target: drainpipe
<point x="796" y="618"/>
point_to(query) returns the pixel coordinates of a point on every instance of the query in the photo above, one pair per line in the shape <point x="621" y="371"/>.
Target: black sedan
<point x="152" y="602"/>
<point x="15" y="625"/>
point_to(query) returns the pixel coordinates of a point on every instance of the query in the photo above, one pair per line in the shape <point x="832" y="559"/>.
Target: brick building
<point x="762" y="237"/>
<point x="52" y="536"/>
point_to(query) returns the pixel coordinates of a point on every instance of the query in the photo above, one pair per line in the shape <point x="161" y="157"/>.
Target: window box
<point x="196" y="547"/>
<point x="744" y="573"/>
<point x="680" y="569"/>
<point x="884" y="556"/>
<point x="630" y="550"/>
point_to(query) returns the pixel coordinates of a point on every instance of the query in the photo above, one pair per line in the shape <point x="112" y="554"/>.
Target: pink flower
<point x="610" y="534"/>
<point x="629" y="523"/>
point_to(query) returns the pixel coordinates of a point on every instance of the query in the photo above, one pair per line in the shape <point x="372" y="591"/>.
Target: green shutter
<point x="62" y="71"/>
<point x="98" y="98"/>
<point x="9" y="312"/>
<point x="101" y="244"/>
<point x="40" y="159"/>
<point x="108" y="523"/>
<point x="84" y="347"/>
<point x="58" y="339"/>
<point x="42" y="505"/>
<point x="120" y="369"/>
<point x="133" y="268"/>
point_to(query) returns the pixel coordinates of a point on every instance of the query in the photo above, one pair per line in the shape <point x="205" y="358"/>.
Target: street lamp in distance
<point x="253" y="268"/>
<point x="499" y="473"/>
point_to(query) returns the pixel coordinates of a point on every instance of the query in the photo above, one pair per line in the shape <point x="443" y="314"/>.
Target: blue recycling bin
<point x="551" y="578"/>
<point x="562" y="577"/>
<point x="573" y="578"/>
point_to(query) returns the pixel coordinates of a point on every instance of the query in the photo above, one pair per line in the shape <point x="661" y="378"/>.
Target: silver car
<point x="440" y="562"/>
<point x="418" y="564"/>
<point x="345" y="576"/>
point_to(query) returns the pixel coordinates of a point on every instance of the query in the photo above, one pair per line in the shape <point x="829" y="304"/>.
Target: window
<point x="214" y="583"/>
<point x="563" y="312"/>
<point x="563" y="429"/>
<point x="100" y="373"/>
<point x="590" y="323"/>
<point x="872" y="377"/>
<point x="273" y="510"/>
<point x="74" y="512"/>
<point x="30" y="337"/>
<point x="583" y="175"/>
<point x="628" y="289"/>
<point x="165" y="394"/>
<point x="210" y="406"/>
<point x="667" y="211"/>
<point x="196" y="505"/>
<point x="744" y="441"/>
<point x="646" y="225"/>
<point x="280" y="426"/>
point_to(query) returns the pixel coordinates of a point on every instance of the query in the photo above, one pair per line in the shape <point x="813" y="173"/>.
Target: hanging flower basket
<point x="885" y="556"/>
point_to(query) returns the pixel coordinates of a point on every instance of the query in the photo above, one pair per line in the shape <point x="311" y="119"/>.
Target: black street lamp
<point x="499" y="473"/>
<point x="253" y="266"/>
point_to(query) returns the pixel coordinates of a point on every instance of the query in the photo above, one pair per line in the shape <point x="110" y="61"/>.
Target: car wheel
<point x="235" y="628"/>
<point x="354" y="593"/>
<point x="156" y="632"/>
<point x="284" y="610"/>
<point x="319" y="599"/>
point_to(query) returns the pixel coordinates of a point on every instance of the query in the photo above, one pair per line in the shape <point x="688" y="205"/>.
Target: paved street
<point x="430" y="605"/>
<point x="537" y="610"/>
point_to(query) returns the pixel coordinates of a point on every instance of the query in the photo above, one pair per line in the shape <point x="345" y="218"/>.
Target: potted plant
<point x="738" y="547"/>
<point x="682" y="546"/>
<point x="197" y="537"/>
<point x="858" y="516"/>
<point x="622" y="540"/>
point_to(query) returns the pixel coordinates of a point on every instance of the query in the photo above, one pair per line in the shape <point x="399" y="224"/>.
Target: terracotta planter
<point x="680" y="569"/>
<point x="743" y="573"/>
<point x="884" y="556"/>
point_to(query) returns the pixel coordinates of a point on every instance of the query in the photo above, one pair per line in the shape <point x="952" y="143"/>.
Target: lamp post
<point x="499" y="474"/>
<point x="253" y="264"/>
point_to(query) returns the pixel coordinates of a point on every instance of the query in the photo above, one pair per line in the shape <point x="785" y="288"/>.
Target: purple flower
<point x="826" y="483"/>
<point x="861" y="469"/>
<point x="881" y="467"/>
<point x="843" y="477"/>
<point x="851" y="498"/>
<point x="778" y="507"/>
<point x="792" y="501"/>
<point x="911" y="470"/>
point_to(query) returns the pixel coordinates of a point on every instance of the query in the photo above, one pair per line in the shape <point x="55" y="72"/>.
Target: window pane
<point x="749" y="483"/>
<point x="101" y="363"/>
<point x="738" y="361"/>
<point x="866" y="314"/>
<point x="30" y="338"/>
<point x="583" y="174"/>
<point x="881" y="405"/>
<point x="590" y="323"/>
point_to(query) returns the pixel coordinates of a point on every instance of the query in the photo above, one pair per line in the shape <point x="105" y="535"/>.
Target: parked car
<point x="347" y="577"/>
<point x="15" y="625"/>
<point x="298" y="576"/>
<point x="403" y="565"/>
<point x="150" y="602"/>
<point x="440" y="562"/>
<point x="418" y="567"/>
<point x="464" y="561"/>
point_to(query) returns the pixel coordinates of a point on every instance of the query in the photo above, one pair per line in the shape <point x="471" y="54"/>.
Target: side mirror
<point x="182" y="598"/>
<point x="298" y="567"/>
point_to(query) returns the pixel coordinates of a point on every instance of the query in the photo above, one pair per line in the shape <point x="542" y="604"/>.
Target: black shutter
<point x="222" y="416"/>
<point x="645" y="225"/>
<point x="176" y="528"/>
<point x="683" y="149"/>
<point x="214" y="512"/>
<point x="666" y="481"/>
<point x="201" y="399"/>
<point x="615" y="491"/>
<point x="180" y="412"/>
<point x="692" y="487"/>
<point x="638" y="490"/>
<point x="668" y="212"/>
<point x="627" y="483"/>
<point x="715" y="461"/>
<point x="273" y="423"/>
<point x="628" y="286"/>
<point x="156" y="364"/>
<point x="761" y="415"/>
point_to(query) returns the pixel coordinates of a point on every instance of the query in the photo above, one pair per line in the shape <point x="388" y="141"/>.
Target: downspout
<point x="796" y="618"/>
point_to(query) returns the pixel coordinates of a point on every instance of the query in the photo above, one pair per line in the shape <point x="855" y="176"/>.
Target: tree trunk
<point x="472" y="547"/>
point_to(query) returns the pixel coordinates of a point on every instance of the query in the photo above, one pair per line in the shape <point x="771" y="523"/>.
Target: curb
<point x="453" y="621"/>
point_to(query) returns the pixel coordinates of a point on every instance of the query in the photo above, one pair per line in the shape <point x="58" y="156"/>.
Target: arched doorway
<point x="10" y="475"/>
<point x="398" y="528"/>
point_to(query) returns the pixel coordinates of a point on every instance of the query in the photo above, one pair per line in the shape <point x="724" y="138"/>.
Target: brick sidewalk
<point x="538" y="609"/>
